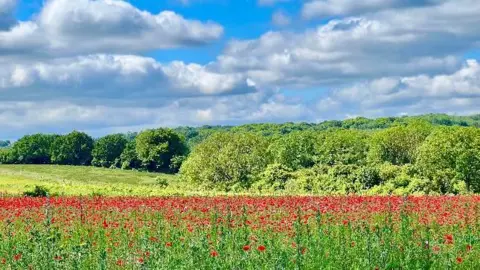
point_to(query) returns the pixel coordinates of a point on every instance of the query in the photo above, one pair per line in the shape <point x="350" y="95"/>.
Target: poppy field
<point x="344" y="232"/>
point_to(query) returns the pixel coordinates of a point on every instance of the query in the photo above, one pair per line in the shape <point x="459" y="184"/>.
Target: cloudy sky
<point x="106" y="66"/>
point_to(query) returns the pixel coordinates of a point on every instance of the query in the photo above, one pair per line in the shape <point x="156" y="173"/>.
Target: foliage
<point x="129" y="158"/>
<point x="273" y="178"/>
<point x="343" y="147"/>
<point x="450" y="155"/>
<point x="398" y="145"/>
<point x="295" y="150"/>
<point x="156" y="148"/>
<point x="107" y="150"/>
<point x="225" y="159"/>
<point x="33" y="149"/>
<point x="74" y="148"/>
<point x="38" y="191"/>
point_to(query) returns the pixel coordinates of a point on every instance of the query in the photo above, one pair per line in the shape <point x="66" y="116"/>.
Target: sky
<point x="108" y="66"/>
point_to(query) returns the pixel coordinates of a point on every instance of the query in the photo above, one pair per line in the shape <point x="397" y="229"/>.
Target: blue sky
<point x="106" y="66"/>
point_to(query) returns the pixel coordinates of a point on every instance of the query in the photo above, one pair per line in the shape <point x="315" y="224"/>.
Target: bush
<point x="38" y="191"/>
<point x="273" y="178"/>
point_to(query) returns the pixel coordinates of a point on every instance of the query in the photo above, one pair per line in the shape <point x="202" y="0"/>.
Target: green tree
<point x="107" y="150"/>
<point x="129" y="158"/>
<point x="345" y="147"/>
<point x="33" y="149"/>
<point x="156" y="148"/>
<point x="74" y="148"/>
<point x="449" y="155"/>
<point x="227" y="159"/>
<point x="295" y="150"/>
<point x="398" y="145"/>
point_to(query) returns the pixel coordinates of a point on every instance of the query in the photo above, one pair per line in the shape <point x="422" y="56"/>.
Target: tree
<point x="343" y="147"/>
<point x="107" y="150"/>
<point x="156" y="148"/>
<point x="33" y="149"/>
<point x="74" y="148"/>
<point x="449" y="155"/>
<point x="398" y="145"/>
<point x="226" y="159"/>
<point x="295" y="150"/>
<point x="129" y="158"/>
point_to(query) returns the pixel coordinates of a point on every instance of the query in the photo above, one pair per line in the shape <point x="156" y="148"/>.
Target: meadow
<point x="344" y="232"/>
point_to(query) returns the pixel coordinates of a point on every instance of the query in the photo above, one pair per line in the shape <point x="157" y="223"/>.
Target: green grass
<point x="77" y="180"/>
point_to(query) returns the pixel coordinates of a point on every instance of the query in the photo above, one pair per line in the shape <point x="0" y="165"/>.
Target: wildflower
<point x="448" y="239"/>
<point x="246" y="248"/>
<point x="459" y="260"/>
<point x="4" y="261"/>
<point x="469" y="247"/>
<point x="105" y="224"/>
<point x="17" y="257"/>
<point x="303" y="250"/>
<point x="168" y="244"/>
<point x="153" y="239"/>
<point x="141" y="260"/>
<point x="120" y="262"/>
<point x="213" y="253"/>
<point x="58" y="258"/>
<point x="352" y="244"/>
<point x="261" y="248"/>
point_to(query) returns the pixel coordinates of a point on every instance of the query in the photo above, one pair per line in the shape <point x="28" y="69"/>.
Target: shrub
<point x="38" y="191"/>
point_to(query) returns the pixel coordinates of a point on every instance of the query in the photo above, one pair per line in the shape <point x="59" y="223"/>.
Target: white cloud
<point x="280" y="18"/>
<point x="19" y="118"/>
<point x="402" y="42"/>
<point x="66" y="27"/>
<point x="115" y="77"/>
<point x="458" y="92"/>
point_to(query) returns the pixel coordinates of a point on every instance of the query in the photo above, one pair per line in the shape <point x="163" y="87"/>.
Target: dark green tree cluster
<point x="154" y="150"/>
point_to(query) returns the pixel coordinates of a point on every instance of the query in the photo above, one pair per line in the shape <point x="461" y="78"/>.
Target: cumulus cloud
<point x="19" y="118"/>
<point x="458" y="92"/>
<point x="66" y="27"/>
<point x="402" y="42"/>
<point x="97" y="78"/>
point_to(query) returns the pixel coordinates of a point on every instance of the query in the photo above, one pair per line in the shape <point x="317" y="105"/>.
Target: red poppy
<point x="448" y="239"/>
<point x="469" y="247"/>
<point x="168" y="244"/>
<point x="261" y="248"/>
<point x="213" y="253"/>
<point x="141" y="260"/>
<point x="246" y="248"/>
<point x="459" y="260"/>
<point x="17" y="257"/>
<point x="120" y="262"/>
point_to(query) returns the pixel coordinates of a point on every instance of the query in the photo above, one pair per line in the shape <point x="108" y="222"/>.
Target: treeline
<point x="161" y="150"/>
<point x="416" y="158"/>
<point x="194" y="135"/>
<point x="425" y="154"/>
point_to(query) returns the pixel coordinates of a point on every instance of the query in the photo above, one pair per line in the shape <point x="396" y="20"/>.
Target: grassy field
<point x="73" y="180"/>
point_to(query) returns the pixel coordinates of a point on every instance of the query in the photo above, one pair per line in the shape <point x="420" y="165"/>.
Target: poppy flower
<point x="459" y="260"/>
<point x="246" y="248"/>
<point x="213" y="253"/>
<point x="17" y="257"/>
<point x="261" y="248"/>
